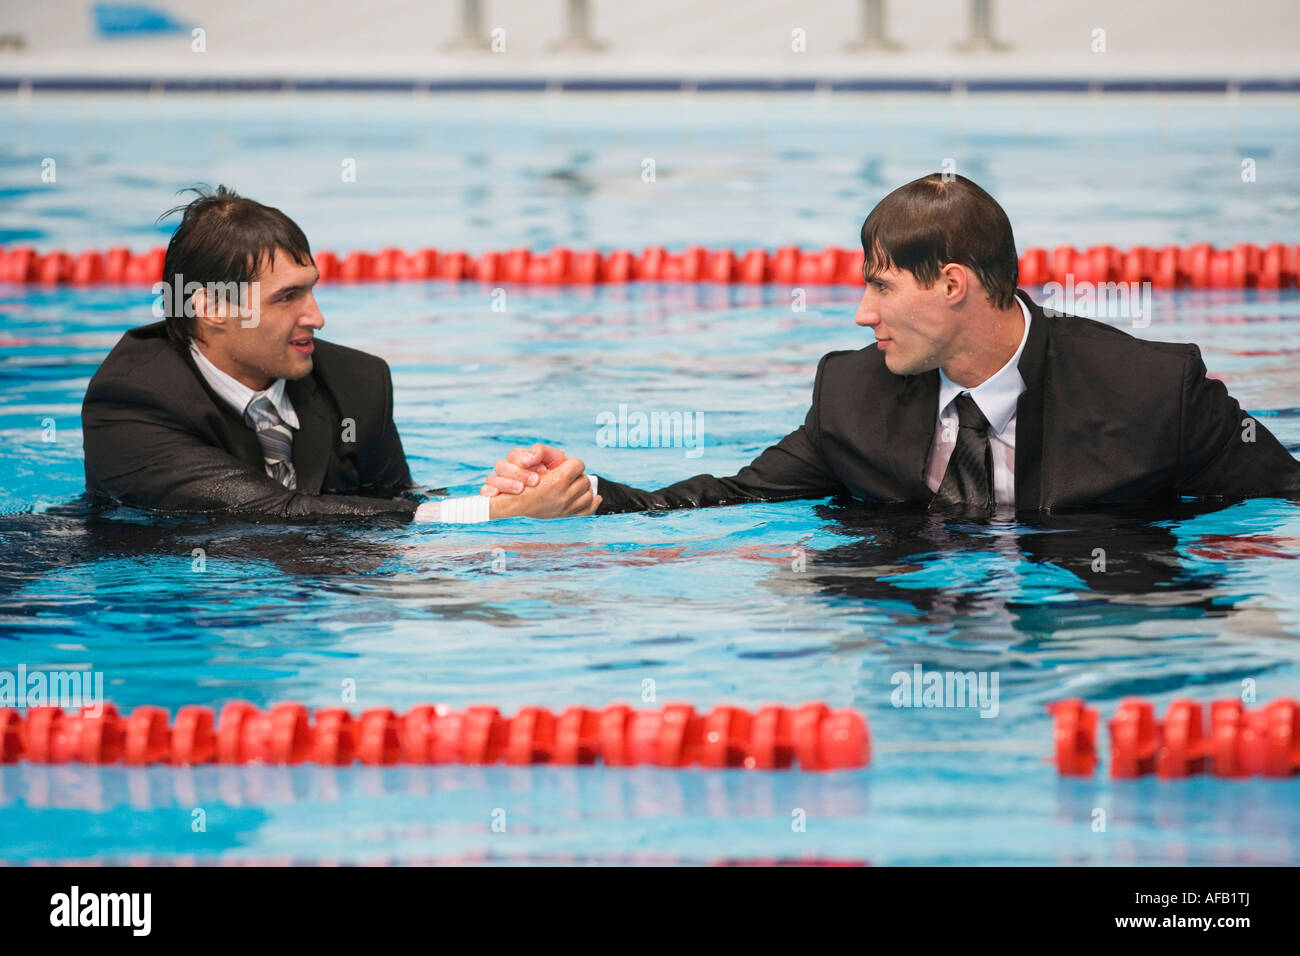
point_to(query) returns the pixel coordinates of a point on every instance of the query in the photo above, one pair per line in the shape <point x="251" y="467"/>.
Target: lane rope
<point x="772" y="738"/>
<point x="1197" y="266"/>
<point x="1236" y="741"/>
<point x="1226" y="740"/>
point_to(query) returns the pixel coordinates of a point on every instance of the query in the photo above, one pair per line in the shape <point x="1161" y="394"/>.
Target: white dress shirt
<point x="996" y="398"/>
<point x="237" y="395"/>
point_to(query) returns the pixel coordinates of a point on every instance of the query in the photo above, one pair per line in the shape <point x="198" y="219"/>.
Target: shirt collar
<point x="997" y="395"/>
<point x="238" y="395"/>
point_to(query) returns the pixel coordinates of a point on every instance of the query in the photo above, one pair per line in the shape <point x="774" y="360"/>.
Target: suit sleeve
<point x="792" y="468"/>
<point x="138" y="455"/>
<point x="1224" y="451"/>
<point x="385" y="470"/>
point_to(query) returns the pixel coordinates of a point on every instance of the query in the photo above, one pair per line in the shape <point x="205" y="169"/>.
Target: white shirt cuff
<point x="466" y="510"/>
<point x="470" y="509"/>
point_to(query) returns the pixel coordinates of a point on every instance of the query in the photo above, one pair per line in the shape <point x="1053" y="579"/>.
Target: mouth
<point x="304" y="345"/>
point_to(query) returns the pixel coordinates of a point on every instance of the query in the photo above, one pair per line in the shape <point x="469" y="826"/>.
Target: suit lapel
<point x="914" y="412"/>
<point x="241" y="438"/>
<point x="312" y="443"/>
<point x="1029" y="411"/>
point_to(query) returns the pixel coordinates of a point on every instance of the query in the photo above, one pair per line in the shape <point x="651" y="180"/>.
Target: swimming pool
<point x="711" y="606"/>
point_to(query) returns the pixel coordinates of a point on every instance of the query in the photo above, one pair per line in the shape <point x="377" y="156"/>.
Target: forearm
<point x="776" y="475"/>
<point x="237" y="490"/>
<point x="702" y="491"/>
<point x="171" y="474"/>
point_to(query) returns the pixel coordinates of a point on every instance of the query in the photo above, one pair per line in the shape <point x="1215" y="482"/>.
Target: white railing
<point x="873" y="38"/>
<point x="981" y="30"/>
<point x="577" y="30"/>
<point x="471" y="37"/>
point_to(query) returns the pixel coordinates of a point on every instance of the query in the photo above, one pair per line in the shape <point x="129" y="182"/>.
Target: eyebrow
<point x="288" y="290"/>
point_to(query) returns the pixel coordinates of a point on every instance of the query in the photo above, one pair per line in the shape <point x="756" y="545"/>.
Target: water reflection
<point x="1117" y="556"/>
<point x="1041" y="574"/>
<point x="909" y="810"/>
<point x="623" y="793"/>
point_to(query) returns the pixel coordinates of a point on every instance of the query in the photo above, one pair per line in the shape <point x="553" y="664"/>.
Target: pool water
<point x="783" y="603"/>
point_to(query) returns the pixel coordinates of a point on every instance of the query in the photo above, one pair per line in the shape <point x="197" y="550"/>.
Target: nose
<point x="312" y="318"/>
<point x="867" y="314"/>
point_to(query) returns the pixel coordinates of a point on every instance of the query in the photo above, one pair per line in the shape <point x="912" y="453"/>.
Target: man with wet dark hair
<point x="233" y="404"/>
<point x="973" y="400"/>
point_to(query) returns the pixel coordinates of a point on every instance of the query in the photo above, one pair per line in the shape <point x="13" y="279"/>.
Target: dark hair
<point x="938" y="219"/>
<point x="223" y="238"/>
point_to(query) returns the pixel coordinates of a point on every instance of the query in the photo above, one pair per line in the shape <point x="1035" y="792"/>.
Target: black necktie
<point x="968" y="482"/>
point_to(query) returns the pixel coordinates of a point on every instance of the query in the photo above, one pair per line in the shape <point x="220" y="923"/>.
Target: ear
<point x="955" y="280"/>
<point x="205" y="311"/>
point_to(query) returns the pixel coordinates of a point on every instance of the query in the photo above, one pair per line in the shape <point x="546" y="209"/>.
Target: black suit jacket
<point x="156" y="436"/>
<point x="1105" y="418"/>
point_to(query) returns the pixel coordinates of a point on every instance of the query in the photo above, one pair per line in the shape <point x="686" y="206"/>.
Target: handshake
<point x="540" y="482"/>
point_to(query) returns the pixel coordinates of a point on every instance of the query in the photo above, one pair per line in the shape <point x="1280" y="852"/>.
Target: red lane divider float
<point x="772" y="738"/>
<point x="1198" y="266"/>
<point x="1236" y="742"/>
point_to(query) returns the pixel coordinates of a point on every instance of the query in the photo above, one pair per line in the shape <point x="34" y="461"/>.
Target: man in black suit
<point x="232" y="404"/>
<point x="973" y="400"/>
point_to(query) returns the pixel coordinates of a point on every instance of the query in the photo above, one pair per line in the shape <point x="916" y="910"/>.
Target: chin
<point x="901" y="365"/>
<point x="299" y="370"/>
<point x="896" y="364"/>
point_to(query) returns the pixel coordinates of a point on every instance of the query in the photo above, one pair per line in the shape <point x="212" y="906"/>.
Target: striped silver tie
<point x="276" y="439"/>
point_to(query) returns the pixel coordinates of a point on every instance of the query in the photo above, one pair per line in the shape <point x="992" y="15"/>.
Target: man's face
<point x="278" y="342"/>
<point x="914" y="327"/>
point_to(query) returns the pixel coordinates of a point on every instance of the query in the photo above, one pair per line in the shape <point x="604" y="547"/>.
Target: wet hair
<point x="938" y="219"/>
<point x="223" y="238"/>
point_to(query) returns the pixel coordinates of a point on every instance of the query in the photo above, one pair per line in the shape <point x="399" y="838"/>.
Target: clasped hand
<point x="540" y="482"/>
